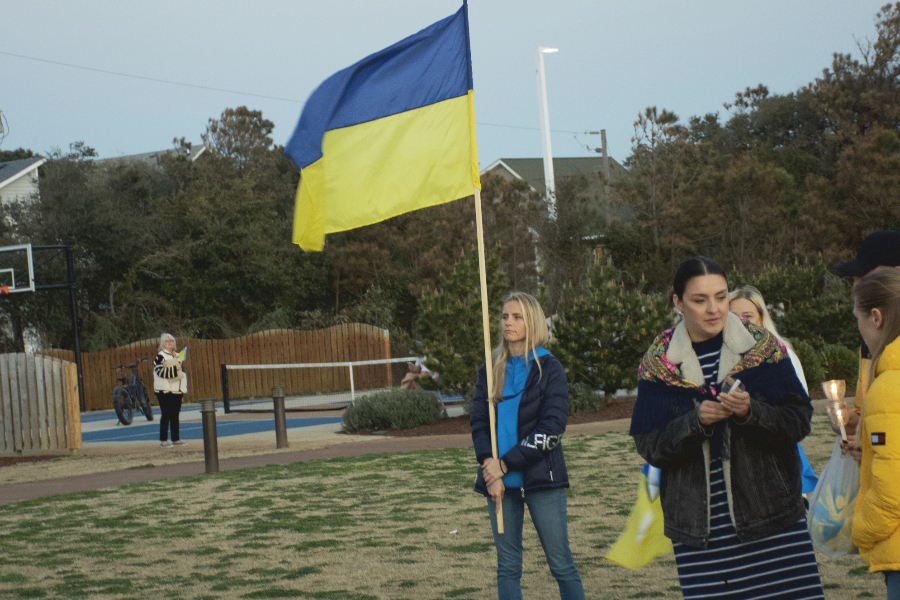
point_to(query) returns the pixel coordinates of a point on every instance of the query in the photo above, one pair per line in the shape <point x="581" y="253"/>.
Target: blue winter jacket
<point x="543" y="412"/>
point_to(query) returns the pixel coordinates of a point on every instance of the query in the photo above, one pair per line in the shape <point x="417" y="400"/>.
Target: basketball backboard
<point x="16" y="269"/>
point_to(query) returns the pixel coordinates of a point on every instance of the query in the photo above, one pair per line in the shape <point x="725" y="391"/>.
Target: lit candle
<point x="834" y="391"/>
<point x="840" y="418"/>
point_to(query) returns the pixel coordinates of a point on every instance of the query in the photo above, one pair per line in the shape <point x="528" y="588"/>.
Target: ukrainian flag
<point x="391" y="134"/>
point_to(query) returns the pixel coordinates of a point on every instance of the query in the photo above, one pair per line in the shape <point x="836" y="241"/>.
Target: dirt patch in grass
<point x="6" y="461"/>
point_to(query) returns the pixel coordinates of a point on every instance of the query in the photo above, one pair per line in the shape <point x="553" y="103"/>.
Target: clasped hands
<point x="736" y="403"/>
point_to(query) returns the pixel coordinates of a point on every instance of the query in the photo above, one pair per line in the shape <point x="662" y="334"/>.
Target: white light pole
<point x="549" y="181"/>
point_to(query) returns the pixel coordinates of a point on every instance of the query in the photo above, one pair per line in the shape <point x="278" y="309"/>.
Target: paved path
<point x="331" y="448"/>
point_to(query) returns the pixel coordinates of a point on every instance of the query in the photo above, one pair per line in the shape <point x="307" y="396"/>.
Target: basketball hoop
<point x="4" y="290"/>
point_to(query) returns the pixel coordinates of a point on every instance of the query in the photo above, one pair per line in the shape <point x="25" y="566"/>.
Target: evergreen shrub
<point x="466" y="403"/>
<point x="601" y="335"/>
<point x="807" y="303"/>
<point x="583" y="400"/>
<point x="450" y="322"/>
<point x="811" y="359"/>
<point x="393" y="409"/>
<point x="840" y="362"/>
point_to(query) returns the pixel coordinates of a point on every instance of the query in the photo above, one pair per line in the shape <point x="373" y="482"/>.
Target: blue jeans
<point x="548" y="513"/>
<point x="892" y="579"/>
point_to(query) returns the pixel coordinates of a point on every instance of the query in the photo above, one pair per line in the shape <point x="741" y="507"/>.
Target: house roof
<point x="192" y="153"/>
<point x="15" y="169"/>
<point x="532" y="169"/>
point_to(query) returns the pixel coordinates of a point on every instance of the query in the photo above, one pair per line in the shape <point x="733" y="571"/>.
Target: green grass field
<point x="387" y="526"/>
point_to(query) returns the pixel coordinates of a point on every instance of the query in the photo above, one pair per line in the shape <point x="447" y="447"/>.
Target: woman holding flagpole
<point x="532" y="402"/>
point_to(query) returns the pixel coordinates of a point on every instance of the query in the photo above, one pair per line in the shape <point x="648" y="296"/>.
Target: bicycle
<point x="131" y="395"/>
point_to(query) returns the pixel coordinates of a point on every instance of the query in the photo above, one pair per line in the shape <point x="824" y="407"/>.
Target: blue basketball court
<point x="105" y="426"/>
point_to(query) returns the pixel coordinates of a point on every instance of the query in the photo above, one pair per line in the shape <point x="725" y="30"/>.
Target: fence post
<point x="73" y="404"/>
<point x="226" y="400"/>
<point x="280" y="421"/>
<point x="210" y="439"/>
<point x="352" y="388"/>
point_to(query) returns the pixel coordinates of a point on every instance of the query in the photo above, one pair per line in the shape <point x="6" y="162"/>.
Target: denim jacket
<point x="543" y="412"/>
<point x="762" y="465"/>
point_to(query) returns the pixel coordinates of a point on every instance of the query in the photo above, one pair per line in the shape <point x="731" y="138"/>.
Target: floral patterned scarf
<point x="664" y="394"/>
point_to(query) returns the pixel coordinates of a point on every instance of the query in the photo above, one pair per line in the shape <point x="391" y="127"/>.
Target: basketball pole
<point x="73" y="308"/>
<point x="485" y="323"/>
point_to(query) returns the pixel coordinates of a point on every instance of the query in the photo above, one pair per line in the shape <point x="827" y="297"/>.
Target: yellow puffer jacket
<point x="876" y="520"/>
<point x="862" y="381"/>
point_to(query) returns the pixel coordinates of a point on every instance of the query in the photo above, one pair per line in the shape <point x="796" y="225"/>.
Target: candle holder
<point x="834" y="389"/>
<point x="838" y="412"/>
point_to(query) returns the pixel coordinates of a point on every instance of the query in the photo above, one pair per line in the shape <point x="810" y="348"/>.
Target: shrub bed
<point x="393" y="409"/>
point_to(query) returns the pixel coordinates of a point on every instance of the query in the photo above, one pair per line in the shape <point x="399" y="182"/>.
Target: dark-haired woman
<point x="730" y="484"/>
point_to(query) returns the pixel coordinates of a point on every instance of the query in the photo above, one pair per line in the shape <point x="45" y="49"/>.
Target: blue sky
<point x="615" y="59"/>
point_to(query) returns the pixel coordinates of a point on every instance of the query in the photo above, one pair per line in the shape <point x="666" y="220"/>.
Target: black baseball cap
<point x="881" y="249"/>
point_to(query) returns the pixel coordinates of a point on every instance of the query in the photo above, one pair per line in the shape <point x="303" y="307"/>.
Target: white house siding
<point x="23" y="188"/>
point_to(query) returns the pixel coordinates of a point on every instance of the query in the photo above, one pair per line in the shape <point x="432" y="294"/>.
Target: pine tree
<point x="450" y="321"/>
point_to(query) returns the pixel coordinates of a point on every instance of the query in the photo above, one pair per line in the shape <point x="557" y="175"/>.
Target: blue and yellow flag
<point x="391" y="134"/>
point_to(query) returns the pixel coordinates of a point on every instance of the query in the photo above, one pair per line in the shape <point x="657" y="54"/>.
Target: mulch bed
<point x="618" y="408"/>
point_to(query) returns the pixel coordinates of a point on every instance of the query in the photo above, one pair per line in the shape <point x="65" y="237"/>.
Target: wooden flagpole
<point x="485" y="323"/>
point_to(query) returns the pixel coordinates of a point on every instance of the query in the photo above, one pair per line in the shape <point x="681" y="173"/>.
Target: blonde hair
<point x="536" y="335"/>
<point x="162" y="341"/>
<point x="881" y="290"/>
<point x="748" y="292"/>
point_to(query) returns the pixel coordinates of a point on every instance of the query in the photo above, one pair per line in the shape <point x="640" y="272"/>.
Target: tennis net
<point x="308" y="386"/>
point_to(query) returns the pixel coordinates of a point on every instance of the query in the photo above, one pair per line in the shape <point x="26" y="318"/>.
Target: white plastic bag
<point x="830" y="517"/>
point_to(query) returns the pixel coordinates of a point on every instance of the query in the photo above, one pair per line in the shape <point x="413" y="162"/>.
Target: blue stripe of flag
<point x="430" y="66"/>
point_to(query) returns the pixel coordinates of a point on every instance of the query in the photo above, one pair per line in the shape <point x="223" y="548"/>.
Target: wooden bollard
<point x="210" y="437"/>
<point x="281" y="440"/>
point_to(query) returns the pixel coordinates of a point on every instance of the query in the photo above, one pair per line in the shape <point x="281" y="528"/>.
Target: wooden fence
<point x="341" y="343"/>
<point x="38" y="404"/>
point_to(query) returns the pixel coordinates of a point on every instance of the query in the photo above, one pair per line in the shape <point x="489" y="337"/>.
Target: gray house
<point x="596" y="168"/>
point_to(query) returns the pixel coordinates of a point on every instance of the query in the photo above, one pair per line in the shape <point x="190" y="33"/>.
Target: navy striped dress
<point x="782" y="565"/>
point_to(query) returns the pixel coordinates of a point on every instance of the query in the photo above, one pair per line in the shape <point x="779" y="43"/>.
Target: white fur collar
<point x="736" y="340"/>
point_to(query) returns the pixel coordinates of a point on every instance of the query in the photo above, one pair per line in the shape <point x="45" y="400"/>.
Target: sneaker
<point x="165" y="445"/>
<point x="179" y="443"/>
